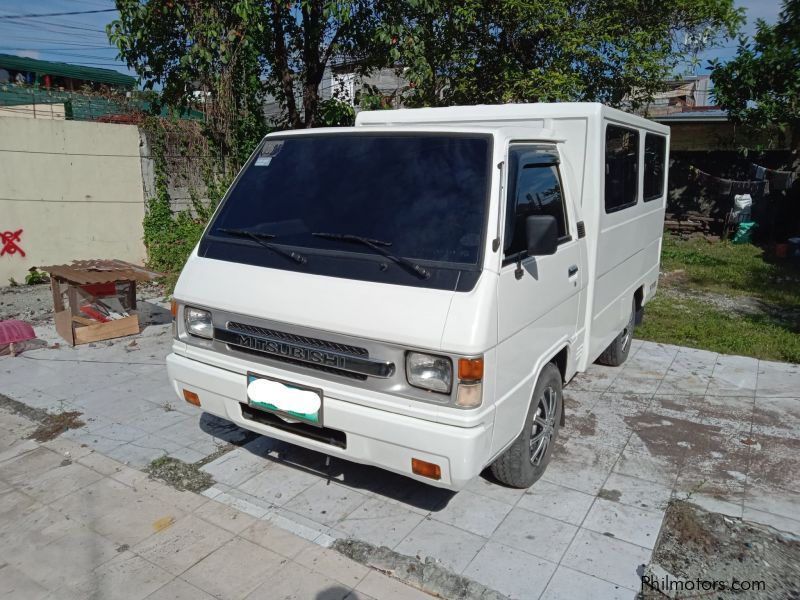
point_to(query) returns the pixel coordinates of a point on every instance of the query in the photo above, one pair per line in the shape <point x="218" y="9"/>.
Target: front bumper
<point x="374" y="437"/>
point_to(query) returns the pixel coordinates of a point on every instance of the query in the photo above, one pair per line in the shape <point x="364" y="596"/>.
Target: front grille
<point x="243" y="328"/>
<point x="298" y="363"/>
<point x="334" y="437"/>
<point x="297" y="339"/>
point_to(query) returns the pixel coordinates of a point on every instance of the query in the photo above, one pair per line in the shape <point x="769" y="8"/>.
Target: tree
<point x="238" y="50"/>
<point x="489" y="51"/>
<point x="760" y="87"/>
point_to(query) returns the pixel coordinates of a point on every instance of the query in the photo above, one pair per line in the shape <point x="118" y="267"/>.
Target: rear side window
<point x="534" y="189"/>
<point x="655" y="155"/>
<point x="622" y="160"/>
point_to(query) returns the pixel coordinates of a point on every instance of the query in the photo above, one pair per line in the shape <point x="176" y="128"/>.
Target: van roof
<point x="491" y="114"/>
<point x="501" y="130"/>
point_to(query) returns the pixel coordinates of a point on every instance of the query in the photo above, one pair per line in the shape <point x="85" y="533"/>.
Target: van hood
<point x="398" y="314"/>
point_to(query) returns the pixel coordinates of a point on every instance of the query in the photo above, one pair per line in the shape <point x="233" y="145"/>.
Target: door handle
<point x="572" y="271"/>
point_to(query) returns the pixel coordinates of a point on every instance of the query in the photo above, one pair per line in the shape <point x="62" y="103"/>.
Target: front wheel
<point x="617" y="352"/>
<point x="524" y="462"/>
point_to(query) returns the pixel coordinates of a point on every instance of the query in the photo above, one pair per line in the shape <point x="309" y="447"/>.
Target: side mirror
<point x="541" y="235"/>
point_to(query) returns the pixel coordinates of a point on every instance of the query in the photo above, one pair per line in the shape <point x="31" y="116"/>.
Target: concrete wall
<point x="68" y="190"/>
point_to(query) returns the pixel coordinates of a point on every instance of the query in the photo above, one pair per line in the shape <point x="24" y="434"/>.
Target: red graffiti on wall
<point x="9" y="243"/>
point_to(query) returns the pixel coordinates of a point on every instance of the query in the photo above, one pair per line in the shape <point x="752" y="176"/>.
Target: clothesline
<point x="731" y="186"/>
<point x="778" y="180"/>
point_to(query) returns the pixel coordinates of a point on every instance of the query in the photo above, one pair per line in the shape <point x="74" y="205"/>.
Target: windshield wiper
<point x="378" y="246"/>
<point x="261" y="238"/>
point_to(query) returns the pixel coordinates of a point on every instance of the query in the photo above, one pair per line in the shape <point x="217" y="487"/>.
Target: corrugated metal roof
<point x="46" y="67"/>
<point x="84" y="272"/>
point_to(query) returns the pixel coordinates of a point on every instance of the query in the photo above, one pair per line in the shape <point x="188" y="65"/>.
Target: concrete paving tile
<point x="511" y="572"/>
<point x="67" y="448"/>
<point x="157" y="418"/>
<point x="15" y="584"/>
<point x="535" y="534"/>
<point x="779" y="417"/>
<point x="278" y="484"/>
<point x="623" y="522"/>
<point x="59" y="481"/>
<point x="237" y="466"/>
<point x="477" y="514"/>
<point x="713" y="503"/>
<point x="17" y="449"/>
<point x="604" y="557"/>
<point x="379" y="522"/>
<point x="784" y="503"/>
<point x="181" y="545"/>
<point x="636" y="492"/>
<point x="185" y="432"/>
<point x="597" y="378"/>
<point x="334" y="565"/>
<point x="245" y="503"/>
<point x="780" y="523"/>
<point x="42" y="526"/>
<point x="453" y="547"/>
<point x="277" y="539"/>
<point x="569" y="584"/>
<point x="225" y="516"/>
<point x="677" y="406"/>
<point x="378" y="585"/>
<point x="632" y="382"/>
<point x="727" y="412"/>
<point x="733" y="376"/>
<point x="652" y="459"/>
<point x="297" y="524"/>
<point x="774" y="461"/>
<point x="556" y="501"/>
<point x="234" y="570"/>
<point x="484" y="485"/>
<point x="581" y="466"/>
<point x="177" y="589"/>
<point x="778" y="379"/>
<point x="293" y="581"/>
<point x="187" y="455"/>
<point x="22" y="467"/>
<point x="94" y="501"/>
<point x="68" y="559"/>
<point x="126" y="577"/>
<point x="325" y="502"/>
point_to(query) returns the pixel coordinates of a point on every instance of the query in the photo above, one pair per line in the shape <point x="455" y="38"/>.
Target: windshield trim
<point x="355" y="252"/>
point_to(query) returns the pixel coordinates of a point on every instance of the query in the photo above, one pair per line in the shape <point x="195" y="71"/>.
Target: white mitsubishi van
<point x="414" y="292"/>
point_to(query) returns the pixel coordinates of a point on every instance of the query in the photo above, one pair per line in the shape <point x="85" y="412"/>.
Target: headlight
<point x="198" y="322"/>
<point x="429" y="372"/>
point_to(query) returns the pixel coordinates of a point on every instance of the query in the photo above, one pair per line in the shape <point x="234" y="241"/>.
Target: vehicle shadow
<point x="152" y="314"/>
<point x="353" y="475"/>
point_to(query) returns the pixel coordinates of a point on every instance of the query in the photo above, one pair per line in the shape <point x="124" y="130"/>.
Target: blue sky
<point x="81" y="39"/>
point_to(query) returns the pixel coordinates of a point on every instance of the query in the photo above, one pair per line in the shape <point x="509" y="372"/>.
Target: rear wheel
<point x="524" y="462"/>
<point x="617" y="352"/>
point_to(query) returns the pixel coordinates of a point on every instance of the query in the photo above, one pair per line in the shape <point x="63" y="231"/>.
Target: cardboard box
<point x="77" y="330"/>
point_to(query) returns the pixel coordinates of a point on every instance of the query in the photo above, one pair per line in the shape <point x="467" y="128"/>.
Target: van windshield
<point x="422" y="196"/>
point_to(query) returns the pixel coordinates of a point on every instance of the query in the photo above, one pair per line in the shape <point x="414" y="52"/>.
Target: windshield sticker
<point x="269" y="150"/>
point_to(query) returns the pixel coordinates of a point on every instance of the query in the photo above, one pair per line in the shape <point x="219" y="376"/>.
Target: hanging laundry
<point x="730" y="186"/>
<point x="778" y="180"/>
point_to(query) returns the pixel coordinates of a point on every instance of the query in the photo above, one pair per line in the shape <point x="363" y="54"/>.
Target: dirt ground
<point x="701" y="554"/>
<point x="30" y="303"/>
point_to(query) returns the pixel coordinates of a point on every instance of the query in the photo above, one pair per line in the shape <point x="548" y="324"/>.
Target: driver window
<point x="534" y="189"/>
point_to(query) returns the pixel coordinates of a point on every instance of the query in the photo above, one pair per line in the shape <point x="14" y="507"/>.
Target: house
<point x="46" y="89"/>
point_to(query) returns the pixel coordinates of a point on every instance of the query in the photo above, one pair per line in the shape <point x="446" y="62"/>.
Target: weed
<point x="180" y="475"/>
<point x="35" y="277"/>
<point x="12" y="282"/>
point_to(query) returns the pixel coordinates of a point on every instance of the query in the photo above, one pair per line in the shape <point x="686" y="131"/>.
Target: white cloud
<point x="29" y="53"/>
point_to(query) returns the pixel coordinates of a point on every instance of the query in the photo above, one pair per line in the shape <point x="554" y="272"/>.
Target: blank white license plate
<point x="290" y="401"/>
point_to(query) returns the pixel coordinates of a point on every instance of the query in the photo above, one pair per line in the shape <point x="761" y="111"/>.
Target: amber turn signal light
<point x="470" y="369"/>
<point x="191" y="397"/>
<point x="173" y="308"/>
<point x="426" y="469"/>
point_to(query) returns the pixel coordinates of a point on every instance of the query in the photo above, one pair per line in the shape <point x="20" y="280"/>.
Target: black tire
<point x="521" y="465"/>
<point x="617" y="352"/>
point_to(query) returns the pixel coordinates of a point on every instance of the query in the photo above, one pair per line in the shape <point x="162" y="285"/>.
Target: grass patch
<point x="689" y="322"/>
<point x="726" y="298"/>
<point x="731" y="269"/>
